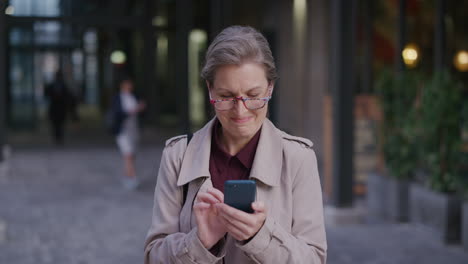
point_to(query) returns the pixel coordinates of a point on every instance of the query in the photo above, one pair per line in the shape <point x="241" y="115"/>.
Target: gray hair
<point x="236" y="45"/>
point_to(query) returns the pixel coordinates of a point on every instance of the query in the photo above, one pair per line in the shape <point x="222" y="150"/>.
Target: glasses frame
<point x="240" y="98"/>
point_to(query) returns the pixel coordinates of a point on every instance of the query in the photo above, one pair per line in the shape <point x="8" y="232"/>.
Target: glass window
<point x="20" y="36"/>
<point x="47" y="32"/>
<point x="35" y="8"/>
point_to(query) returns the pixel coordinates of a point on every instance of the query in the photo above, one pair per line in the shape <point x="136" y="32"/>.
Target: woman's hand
<point x="241" y="225"/>
<point x="210" y="227"/>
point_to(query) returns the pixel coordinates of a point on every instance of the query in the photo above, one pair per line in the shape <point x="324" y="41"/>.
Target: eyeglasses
<point x="249" y="103"/>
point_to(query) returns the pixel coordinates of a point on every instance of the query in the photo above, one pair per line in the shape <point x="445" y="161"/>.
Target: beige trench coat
<point x="285" y="169"/>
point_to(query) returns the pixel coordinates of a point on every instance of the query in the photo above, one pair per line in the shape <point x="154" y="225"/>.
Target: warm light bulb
<point x="410" y="55"/>
<point x="461" y="60"/>
<point x="118" y="57"/>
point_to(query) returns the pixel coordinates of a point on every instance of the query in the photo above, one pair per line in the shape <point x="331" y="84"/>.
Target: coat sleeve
<point x="306" y="243"/>
<point x="164" y="242"/>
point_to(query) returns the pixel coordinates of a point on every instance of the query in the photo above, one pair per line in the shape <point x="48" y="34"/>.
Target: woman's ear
<point x="270" y="88"/>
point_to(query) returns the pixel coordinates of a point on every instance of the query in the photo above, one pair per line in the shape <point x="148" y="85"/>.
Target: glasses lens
<point x="224" y="105"/>
<point x="254" y="104"/>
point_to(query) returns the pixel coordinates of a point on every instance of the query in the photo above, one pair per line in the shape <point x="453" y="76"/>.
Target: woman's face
<point x="126" y="86"/>
<point x="246" y="80"/>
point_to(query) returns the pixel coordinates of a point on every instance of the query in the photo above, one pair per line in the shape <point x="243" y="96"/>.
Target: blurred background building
<point x="327" y="52"/>
<point x="380" y="87"/>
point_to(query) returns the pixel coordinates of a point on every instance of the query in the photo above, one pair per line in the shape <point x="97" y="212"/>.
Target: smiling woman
<point x="191" y="223"/>
<point x="246" y="82"/>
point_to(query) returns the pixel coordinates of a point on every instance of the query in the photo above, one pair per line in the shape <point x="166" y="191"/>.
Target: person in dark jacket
<point x="59" y="98"/>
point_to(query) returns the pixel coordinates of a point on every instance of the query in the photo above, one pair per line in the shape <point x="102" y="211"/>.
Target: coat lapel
<point x="267" y="164"/>
<point x="196" y="161"/>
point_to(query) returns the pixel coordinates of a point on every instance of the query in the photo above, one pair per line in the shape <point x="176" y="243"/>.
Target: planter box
<point x="387" y="198"/>
<point x="376" y="197"/>
<point x="440" y="213"/>
<point x="464" y="228"/>
<point x="397" y="200"/>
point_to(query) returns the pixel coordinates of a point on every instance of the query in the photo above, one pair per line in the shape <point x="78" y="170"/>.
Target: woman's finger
<point x="246" y="224"/>
<point x="216" y="193"/>
<point x="244" y="228"/>
<point x="201" y="206"/>
<point x="207" y="198"/>
<point x="233" y="230"/>
<point x="231" y="212"/>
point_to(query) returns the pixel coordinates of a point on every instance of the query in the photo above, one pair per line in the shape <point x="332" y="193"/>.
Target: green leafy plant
<point x="397" y="95"/>
<point x="438" y="131"/>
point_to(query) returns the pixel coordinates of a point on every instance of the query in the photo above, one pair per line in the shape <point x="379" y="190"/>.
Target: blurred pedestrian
<point x="191" y="223"/>
<point x="59" y="102"/>
<point x="125" y="111"/>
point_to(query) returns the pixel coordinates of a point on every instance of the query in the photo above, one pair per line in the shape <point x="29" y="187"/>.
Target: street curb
<point x="3" y="227"/>
<point x="3" y="171"/>
<point x="344" y="216"/>
<point x="4" y="165"/>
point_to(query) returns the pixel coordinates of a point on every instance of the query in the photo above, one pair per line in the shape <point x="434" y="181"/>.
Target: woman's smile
<point x="241" y="120"/>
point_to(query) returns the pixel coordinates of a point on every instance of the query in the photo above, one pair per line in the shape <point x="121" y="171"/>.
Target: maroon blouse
<point x="225" y="167"/>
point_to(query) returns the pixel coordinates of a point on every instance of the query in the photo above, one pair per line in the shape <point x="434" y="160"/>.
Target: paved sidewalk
<point x="67" y="206"/>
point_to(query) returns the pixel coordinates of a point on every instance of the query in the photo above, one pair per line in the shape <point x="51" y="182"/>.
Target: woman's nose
<point x="239" y="106"/>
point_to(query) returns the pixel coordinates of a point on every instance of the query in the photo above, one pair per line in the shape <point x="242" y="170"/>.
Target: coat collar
<point x="266" y="165"/>
<point x="268" y="160"/>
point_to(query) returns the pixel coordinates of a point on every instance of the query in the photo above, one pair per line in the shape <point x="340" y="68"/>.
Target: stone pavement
<point x="66" y="205"/>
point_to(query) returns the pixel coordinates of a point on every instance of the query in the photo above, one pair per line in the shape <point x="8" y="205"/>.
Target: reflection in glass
<point x="35" y="8"/>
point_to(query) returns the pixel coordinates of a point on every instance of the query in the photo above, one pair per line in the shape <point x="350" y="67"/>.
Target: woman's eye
<point x="253" y="96"/>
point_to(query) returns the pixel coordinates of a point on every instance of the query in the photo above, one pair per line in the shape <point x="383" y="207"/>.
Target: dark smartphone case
<point x="240" y="194"/>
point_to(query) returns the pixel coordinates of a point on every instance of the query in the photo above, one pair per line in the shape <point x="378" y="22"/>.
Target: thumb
<point x="259" y="206"/>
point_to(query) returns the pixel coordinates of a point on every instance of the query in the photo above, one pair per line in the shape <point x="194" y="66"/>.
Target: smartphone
<point x="240" y="194"/>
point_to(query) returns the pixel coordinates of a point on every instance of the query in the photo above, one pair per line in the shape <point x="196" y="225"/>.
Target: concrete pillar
<point x="183" y="27"/>
<point x="302" y="63"/>
<point x="3" y="76"/>
<point x="149" y="60"/>
<point x="342" y="72"/>
<point x="288" y="88"/>
<point x="221" y="16"/>
<point x="316" y="75"/>
<point x="282" y="62"/>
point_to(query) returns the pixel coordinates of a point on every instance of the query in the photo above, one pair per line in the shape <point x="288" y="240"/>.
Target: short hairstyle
<point x="236" y="45"/>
